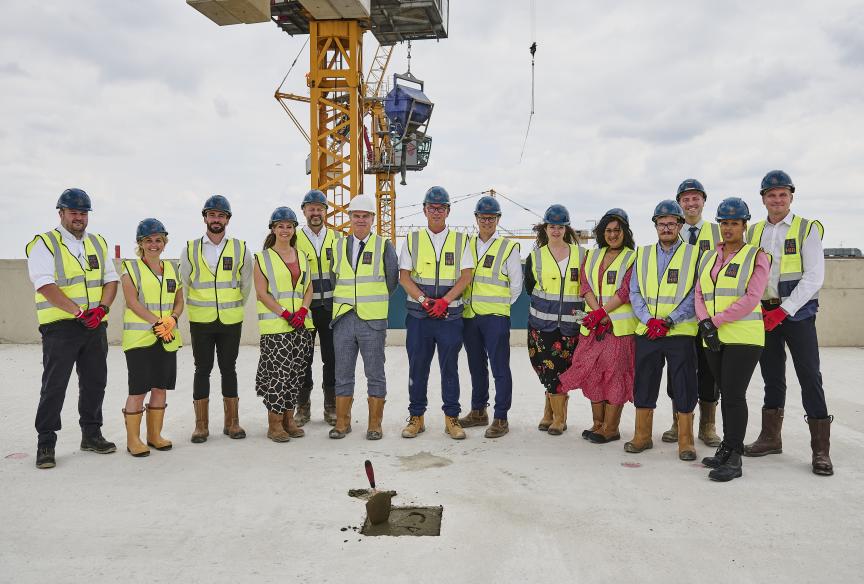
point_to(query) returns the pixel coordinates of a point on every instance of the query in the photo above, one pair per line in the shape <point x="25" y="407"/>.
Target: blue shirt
<point x="684" y="311"/>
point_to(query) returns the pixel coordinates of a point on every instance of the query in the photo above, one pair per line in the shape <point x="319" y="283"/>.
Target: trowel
<point x="378" y="505"/>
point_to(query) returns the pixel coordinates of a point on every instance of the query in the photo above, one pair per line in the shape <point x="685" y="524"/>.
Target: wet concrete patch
<point x="423" y="460"/>
<point x="415" y="521"/>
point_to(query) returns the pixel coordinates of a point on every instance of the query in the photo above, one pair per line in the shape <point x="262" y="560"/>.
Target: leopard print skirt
<point x="281" y="368"/>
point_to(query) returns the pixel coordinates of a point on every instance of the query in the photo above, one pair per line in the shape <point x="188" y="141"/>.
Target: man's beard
<point x="215" y="228"/>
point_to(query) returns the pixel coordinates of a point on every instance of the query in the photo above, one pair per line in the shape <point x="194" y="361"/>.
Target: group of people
<point x="707" y="301"/>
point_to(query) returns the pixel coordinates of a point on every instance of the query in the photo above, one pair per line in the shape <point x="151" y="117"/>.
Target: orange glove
<point x="164" y="328"/>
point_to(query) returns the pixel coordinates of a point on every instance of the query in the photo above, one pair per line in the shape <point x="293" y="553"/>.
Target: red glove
<point x="773" y="318"/>
<point x="93" y="318"/>
<point x="287" y="315"/>
<point x="299" y="317"/>
<point x="439" y="309"/>
<point x="594" y="317"/>
<point x="657" y="328"/>
<point x="428" y="304"/>
<point x="601" y="329"/>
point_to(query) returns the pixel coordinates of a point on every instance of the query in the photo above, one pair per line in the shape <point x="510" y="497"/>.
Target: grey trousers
<point x="350" y="336"/>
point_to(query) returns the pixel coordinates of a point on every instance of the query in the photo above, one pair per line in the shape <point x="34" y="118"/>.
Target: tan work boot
<point x="769" y="440"/>
<point x="707" y="426"/>
<point x="202" y="420"/>
<point x="611" y="420"/>
<point x="544" y="424"/>
<point x="453" y="428"/>
<point x="597" y="409"/>
<point x="303" y="415"/>
<point x="558" y="402"/>
<point x="232" y="427"/>
<point x="820" y="444"/>
<point x="642" y="436"/>
<point x="475" y="418"/>
<point x="343" y="417"/>
<point x="686" y="448"/>
<point x="498" y="428"/>
<point x="275" y="431"/>
<point x="290" y="425"/>
<point x="376" y="416"/>
<point x="671" y="435"/>
<point x="415" y="426"/>
<point x="155" y="419"/>
<point x="134" y="446"/>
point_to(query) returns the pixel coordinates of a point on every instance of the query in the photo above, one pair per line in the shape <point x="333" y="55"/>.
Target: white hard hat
<point x="362" y="203"/>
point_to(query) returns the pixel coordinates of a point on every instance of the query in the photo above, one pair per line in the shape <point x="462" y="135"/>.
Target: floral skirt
<point x="550" y="354"/>
<point x="603" y="370"/>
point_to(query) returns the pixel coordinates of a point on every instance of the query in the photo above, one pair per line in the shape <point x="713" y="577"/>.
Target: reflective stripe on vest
<point x="791" y="264"/>
<point x="623" y="320"/>
<point x="280" y="287"/>
<point x="663" y="297"/>
<point x="320" y="262"/>
<point x="155" y="296"/>
<point x="363" y="290"/>
<point x="489" y="291"/>
<point x="81" y="285"/>
<point x="726" y="290"/>
<point x="215" y="296"/>
<point x="434" y="276"/>
<point x="555" y="298"/>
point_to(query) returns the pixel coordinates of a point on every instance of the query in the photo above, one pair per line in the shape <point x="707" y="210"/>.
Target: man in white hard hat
<point x="365" y="273"/>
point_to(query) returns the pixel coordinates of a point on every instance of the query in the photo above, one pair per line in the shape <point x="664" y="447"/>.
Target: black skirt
<point x="151" y="367"/>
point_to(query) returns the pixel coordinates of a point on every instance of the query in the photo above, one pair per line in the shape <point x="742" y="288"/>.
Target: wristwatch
<point x="421" y="299"/>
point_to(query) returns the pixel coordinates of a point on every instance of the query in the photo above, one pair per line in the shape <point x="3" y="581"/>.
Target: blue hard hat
<point x="557" y="215"/>
<point x="149" y="227"/>
<point x="618" y="214"/>
<point x="774" y="179"/>
<point x="217" y="203"/>
<point x="668" y="207"/>
<point x="436" y="196"/>
<point x="487" y="206"/>
<point x="733" y="208"/>
<point x="314" y="196"/>
<point x="75" y="199"/>
<point x="690" y="184"/>
<point x="283" y="214"/>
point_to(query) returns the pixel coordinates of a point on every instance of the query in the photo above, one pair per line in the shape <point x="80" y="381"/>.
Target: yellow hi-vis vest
<point x="215" y="296"/>
<point x="434" y="275"/>
<point x="623" y="319"/>
<point x="81" y="285"/>
<point x="731" y="285"/>
<point x="489" y="291"/>
<point x="155" y="296"/>
<point x="677" y="281"/>
<point x="280" y="288"/>
<point x="707" y="238"/>
<point x="321" y="264"/>
<point x="554" y="298"/>
<point x="363" y="290"/>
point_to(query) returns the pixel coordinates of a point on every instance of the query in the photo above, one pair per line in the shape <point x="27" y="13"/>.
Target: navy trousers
<point x="651" y="356"/>
<point x="487" y="340"/>
<point x="708" y="389"/>
<point x="423" y="336"/>
<point x="800" y="337"/>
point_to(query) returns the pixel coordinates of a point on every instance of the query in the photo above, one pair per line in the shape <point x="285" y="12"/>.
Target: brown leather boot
<point x="671" y="435"/>
<point x="290" y="425"/>
<point x="155" y="419"/>
<point x="558" y="401"/>
<point x="303" y="415"/>
<point x="769" y="440"/>
<point x="376" y="416"/>
<point x="611" y="420"/>
<point x="134" y="446"/>
<point x="343" y="417"/>
<point x="232" y="427"/>
<point x="597" y="409"/>
<point x="415" y="426"/>
<point x="453" y="429"/>
<point x="498" y="428"/>
<point x="202" y="420"/>
<point x="275" y="431"/>
<point x="820" y="444"/>
<point x="475" y="418"/>
<point x="686" y="448"/>
<point x="707" y="425"/>
<point x="642" y="435"/>
<point x="544" y="424"/>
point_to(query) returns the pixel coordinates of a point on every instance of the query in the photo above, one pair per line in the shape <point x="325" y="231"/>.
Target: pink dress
<point x="603" y="370"/>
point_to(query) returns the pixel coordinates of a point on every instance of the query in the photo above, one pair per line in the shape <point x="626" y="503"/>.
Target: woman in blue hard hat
<point x="729" y="289"/>
<point x="283" y="285"/>
<point x="552" y="280"/>
<point x="603" y="363"/>
<point x="154" y="302"/>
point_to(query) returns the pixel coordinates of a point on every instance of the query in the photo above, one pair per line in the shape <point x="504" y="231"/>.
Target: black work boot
<point x="731" y="469"/>
<point x="97" y="443"/>
<point x="720" y="457"/>
<point x="45" y="457"/>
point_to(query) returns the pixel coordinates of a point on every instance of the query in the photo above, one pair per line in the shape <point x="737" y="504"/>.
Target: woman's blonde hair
<point x="139" y="251"/>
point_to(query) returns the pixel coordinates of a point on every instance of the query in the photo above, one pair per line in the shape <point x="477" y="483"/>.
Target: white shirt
<point x="512" y="267"/>
<point x="812" y="260"/>
<point x="355" y="248"/>
<point x="40" y="263"/>
<point x="438" y="240"/>
<point x="212" y="253"/>
<point x="316" y="239"/>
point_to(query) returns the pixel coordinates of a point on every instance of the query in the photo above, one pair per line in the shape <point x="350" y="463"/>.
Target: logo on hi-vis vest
<point x="227" y="263"/>
<point x="704" y="245"/>
<point x="610" y="276"/>
<point x="790" y="247"/>
<point x="367" y="258"/>
<point x="488" y="261"/>
<point x="329" y="253"/>
<point x="93" y="262"/>
<point x="574" y="274"/>
<point x="672" y="277"/>
<point x="171" y="285"/>
<point x="732" y="270"/>
<point x="449" y="258"/>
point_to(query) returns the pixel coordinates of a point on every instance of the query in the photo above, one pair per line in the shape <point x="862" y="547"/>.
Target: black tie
<point x="693" y="231"/>
<point x="359" y="254"/>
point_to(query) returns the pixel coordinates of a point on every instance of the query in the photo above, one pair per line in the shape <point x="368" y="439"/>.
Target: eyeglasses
<point x="490" y="219"/>
<point x="666" y="226"/>
<point x="437" y="208"/>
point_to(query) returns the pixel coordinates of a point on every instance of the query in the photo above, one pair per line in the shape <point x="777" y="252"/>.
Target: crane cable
<point x="291" y="68"/>
<point x="533" y="49"/>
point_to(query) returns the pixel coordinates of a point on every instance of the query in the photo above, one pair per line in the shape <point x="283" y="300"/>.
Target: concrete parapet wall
<point x="840" y="321"/>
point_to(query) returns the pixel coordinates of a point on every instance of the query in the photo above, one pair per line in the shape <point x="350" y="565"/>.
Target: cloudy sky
<point x="151" y="107"/>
